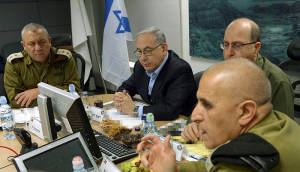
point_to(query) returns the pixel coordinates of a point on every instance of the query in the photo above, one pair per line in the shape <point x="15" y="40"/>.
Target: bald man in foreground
<point x="236" y="119"/>
<point x="242" y="39"/>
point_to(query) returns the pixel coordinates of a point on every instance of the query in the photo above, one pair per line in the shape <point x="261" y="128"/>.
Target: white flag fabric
<point x="115" y="60"/>
<point x="81" y="29"/>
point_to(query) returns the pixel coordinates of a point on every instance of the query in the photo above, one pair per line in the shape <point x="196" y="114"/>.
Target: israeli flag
<point x="115" y="60"/>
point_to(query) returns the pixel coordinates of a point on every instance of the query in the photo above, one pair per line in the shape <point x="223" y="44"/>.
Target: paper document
<point x="24" y="115"/>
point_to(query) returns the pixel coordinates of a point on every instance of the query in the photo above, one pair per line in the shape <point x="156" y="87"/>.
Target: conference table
<point x="6" y="154"/>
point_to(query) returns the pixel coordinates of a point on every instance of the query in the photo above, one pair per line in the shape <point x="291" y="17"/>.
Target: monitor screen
<point x="56" y="156"/>
<point x="69" y="110"/>
<point x="59" y="158"/>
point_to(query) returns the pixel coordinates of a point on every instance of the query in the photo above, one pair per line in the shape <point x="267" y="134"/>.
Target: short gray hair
<point x="33" y="27"/>
<point x="159" y="36"/>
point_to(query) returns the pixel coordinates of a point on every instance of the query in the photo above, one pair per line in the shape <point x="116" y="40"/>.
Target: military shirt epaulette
<point x="14" y="56"/>
<point x="64" y="52"/>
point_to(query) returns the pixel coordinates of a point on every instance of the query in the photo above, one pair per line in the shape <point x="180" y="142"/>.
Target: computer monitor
<point x="69" y="110"/>
<point x="57" y="156"/>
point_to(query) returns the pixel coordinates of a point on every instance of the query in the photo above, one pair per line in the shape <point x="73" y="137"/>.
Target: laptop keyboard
<point x="115" y="151"/>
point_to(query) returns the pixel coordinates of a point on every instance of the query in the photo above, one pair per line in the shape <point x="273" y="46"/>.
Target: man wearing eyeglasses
<point x="242" y="39"/>
<point x="160" y="77"/>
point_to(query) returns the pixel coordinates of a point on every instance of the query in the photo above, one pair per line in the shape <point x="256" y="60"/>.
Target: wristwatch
<point x="136" y="111"/>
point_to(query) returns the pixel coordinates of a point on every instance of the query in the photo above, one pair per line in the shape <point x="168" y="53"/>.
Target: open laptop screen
<point x="56" y="156"/>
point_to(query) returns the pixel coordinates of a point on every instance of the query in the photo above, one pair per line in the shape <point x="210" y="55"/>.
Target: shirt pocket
<point x="56" y="77"/>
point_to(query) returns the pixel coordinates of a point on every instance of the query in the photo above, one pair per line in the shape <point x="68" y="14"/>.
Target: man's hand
<point x="160" y="157"/>
<point x="118" y="99"/>
<point x="191" y="132"/>
<point x="123" y="102"/>
<point x="26" y="97"/>
<point x="127" y="104"/>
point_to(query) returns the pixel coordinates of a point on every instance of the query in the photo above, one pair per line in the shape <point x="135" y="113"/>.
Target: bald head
<point x="240" y="79"/>
<point x="248" y="26"/>
<point x="242" y="39"/>
<point x="233" y="96"/>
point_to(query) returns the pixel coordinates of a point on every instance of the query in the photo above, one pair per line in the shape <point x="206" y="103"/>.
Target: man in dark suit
<point x="160" y="77"/>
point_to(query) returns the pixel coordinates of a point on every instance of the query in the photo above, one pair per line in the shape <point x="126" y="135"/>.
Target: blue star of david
<point x="124" y="23"/>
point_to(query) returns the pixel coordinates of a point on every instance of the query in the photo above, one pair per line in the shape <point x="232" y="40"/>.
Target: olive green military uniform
<point x="282" y="91"/>
<point x="22" y="73"/>
<point x="280" y="131"/>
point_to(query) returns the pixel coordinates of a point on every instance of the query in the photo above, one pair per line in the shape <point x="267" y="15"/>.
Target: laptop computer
<point x="57" y="156"/>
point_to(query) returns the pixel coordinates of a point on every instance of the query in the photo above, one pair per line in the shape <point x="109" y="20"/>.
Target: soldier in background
<point x="39" y="62"/>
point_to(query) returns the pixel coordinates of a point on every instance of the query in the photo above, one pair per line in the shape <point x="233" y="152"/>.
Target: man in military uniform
<point x="39" y="62"/>
<point x="242" y="39"/>
<point x="237" y="120"/>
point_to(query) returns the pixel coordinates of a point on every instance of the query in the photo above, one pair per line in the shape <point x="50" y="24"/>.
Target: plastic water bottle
<point x="85" y="101"/>
<point x="84" y="97"/>
<point x="7" y="120"/>
<point x="150" y="127"/>
<point x="72" y="89"/>
<point x="78" y="165"/>
<point x="143" y="118"/>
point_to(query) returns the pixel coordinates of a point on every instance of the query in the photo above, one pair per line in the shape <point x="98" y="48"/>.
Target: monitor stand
<point x="47" y="120"/>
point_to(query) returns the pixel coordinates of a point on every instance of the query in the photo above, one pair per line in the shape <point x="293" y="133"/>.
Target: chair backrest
<point x="80" y="62"/>
<point x="6" y="50"/>
<point x="2" y="90"/>
<point x="2" y="63"/>
<point x="81" y="68"/>
<point x="292" y="68"/>
<point x="197" y="77"/>
<point x="64" y="41"/>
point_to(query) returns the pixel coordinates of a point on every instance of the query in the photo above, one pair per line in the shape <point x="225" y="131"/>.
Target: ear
<point x="257" y="47"/>
<point x="22" y="43"/>
<point x="247" y="112"/>
<point x="50" y="41"/>
<point x="164" y="46"/>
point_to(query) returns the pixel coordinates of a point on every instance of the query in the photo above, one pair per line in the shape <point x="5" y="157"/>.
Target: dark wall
<point x="15" y="14"/>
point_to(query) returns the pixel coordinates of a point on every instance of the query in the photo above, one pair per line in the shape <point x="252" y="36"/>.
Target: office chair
<point x="292" y="68"/>
<point x="197" y="77"/>
<point x="2" y="63"/>
<point x="2" y="90"/>
<point x="81" y="69"/>
<point x="297" y="96"/>
<point x="6" y="50"/>
<point x="64" y="41"/>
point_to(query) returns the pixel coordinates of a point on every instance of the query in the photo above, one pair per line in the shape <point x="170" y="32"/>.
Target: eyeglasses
<point x="234" y="45"/>
<point x="146" y="51"/>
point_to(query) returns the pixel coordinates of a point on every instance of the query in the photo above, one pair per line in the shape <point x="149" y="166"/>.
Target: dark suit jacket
<point x="173" y="93"/>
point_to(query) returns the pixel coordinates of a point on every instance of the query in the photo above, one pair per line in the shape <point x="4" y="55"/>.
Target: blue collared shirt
<point x="153" y="76"/>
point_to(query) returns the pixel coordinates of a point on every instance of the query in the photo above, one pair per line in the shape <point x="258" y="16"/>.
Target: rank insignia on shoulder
<point x="14" y="56"/>
<point x="64" y="52"/>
